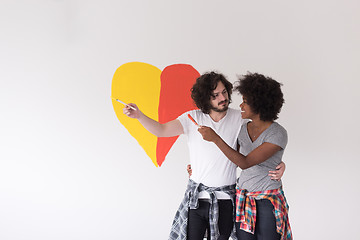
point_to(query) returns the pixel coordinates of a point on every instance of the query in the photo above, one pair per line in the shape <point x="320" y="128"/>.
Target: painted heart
<point x="161" y="95"/>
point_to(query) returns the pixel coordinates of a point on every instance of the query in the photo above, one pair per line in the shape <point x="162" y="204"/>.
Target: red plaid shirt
<point x="246" y="210"/>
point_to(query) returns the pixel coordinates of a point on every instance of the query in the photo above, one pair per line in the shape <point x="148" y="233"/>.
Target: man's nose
<point x="222" y="97"/>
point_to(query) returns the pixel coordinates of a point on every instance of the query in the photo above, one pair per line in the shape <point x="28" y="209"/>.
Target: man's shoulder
<point x="195" y="113"/>
<point x="190" y="112"/>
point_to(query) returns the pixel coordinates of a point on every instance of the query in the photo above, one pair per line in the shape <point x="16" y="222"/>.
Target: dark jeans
<point x="199" y="220"/>
<point x="265" y="227"/>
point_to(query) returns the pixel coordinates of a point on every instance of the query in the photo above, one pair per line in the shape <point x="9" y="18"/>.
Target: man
<point x="208" y="204"/>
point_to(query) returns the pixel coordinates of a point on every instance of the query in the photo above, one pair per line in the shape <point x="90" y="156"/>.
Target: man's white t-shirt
<point x="209" y="164"/>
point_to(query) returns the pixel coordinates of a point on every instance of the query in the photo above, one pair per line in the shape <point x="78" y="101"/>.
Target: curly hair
<point x="263" y="95"/>
<point x="203" y="88"/>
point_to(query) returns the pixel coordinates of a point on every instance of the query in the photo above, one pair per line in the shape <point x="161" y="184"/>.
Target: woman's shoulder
<point x="278" y="133"/>
<point x="278" y="128"/>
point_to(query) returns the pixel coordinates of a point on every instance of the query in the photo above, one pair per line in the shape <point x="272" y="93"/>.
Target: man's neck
<point x="217" y="116"/>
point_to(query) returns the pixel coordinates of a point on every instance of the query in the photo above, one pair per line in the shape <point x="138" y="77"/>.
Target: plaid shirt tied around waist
<point x="246" y="210"/>
<point x="191" y="200"/>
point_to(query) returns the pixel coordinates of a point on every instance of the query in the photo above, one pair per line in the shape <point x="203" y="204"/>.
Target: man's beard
<point x="224" y="109"/>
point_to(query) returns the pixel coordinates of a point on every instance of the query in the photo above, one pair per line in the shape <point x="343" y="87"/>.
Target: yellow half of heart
<point x="138" y="83"/>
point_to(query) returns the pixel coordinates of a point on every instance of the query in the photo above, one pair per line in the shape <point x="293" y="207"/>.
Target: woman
<point x="261" y="207"/>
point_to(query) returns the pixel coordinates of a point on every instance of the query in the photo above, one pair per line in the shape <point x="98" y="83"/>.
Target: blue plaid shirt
<point x="191" y="201"/>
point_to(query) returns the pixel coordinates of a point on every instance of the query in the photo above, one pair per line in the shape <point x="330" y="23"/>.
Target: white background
<point x="70" y="170"/>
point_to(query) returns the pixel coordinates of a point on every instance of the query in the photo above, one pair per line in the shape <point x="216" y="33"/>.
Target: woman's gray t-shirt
<point x="256" y="177"/>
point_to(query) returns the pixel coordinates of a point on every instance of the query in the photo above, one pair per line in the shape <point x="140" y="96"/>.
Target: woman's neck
<point x="257" y="123"/>
<point x="256" y="127"/>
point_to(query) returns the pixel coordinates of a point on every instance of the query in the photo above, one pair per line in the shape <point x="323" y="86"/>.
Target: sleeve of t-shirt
<point x="184" y="120"/>
<point x="244" y="123"/>
<point x="278" y="136"/>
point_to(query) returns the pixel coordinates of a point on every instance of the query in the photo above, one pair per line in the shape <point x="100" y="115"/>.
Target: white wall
<point x="70" y="170"/>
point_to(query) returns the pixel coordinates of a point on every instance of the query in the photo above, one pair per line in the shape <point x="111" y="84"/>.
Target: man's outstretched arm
<point x="169" y="129"/>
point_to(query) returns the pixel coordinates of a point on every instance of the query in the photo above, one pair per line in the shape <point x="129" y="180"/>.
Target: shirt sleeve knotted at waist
<point x="246" y="210"/>
<point x="195" y="188"/>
